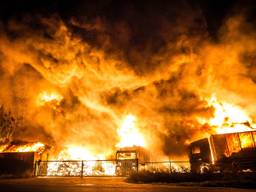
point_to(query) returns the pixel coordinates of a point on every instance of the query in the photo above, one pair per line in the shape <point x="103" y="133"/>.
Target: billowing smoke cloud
<point x="159" y="67"/>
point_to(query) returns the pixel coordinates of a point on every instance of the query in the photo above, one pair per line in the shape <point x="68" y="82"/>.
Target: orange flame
<point x="35" y="147"/>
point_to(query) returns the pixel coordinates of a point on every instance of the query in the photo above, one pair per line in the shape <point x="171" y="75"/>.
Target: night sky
<point x="131" y="26"/>
<point x="214" y="11"/>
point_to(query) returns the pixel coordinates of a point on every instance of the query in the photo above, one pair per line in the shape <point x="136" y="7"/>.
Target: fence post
<point x="82" y="169"/>
<point x="35" y="169"/>
<point x="137" y="161"/>
<point x="170" y="166"/>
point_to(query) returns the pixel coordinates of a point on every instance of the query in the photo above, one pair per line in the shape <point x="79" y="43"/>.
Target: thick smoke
<point x="161" y="66"/>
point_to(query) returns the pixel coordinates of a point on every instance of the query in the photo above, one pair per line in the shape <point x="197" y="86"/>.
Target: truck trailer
<point x="129" y="158"/>
<point x="231" y="152"/>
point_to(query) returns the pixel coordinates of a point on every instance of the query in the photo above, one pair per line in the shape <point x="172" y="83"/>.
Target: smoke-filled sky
<point x="158" y="60"/>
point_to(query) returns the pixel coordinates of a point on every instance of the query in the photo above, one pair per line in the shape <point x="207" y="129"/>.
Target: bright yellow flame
<point x="47" y="97"/>
<point x="235" y="128"/>
<point x="77" y="153"/>
<point x="228" y="118"/>
<point x="129" y="134"/>
<point x="3" y="147"/>
<point x="226" y="113"/>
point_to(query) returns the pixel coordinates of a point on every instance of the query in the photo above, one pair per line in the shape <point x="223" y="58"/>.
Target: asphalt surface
<point x="93" y="184"/>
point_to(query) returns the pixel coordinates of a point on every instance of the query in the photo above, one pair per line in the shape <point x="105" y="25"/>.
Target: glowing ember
<point x="129" y="134"/>
<point x="47" y="97"/>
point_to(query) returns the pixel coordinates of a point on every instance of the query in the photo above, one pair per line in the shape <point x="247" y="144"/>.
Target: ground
<point x="93" y="184"/>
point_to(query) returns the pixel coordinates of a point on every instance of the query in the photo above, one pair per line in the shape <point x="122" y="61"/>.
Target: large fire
<point x="77" y="153"/>
<point x="129" y="134"/>
<point x="94" y="164"/>
<point x="76" y="159"/>
<point x="73" y="84"/>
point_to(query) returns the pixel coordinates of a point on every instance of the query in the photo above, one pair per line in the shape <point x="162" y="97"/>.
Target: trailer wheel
<point x="205" y="168"/>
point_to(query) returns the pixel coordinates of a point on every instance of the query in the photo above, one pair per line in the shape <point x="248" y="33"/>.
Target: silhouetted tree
<point x="8" y="123"/>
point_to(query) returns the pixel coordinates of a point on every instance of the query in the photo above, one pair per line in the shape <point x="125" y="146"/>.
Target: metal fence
<point x="105" y="167"/>
<point x="76" y="168"/>
<point x="165" y="166"/>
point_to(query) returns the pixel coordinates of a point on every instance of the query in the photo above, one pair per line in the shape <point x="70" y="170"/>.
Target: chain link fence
<point x="106" y="167"/>
<point x="165" y="166"/>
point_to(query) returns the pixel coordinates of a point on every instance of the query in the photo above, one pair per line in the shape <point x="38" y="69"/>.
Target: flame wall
<point x="156" y="62"/>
